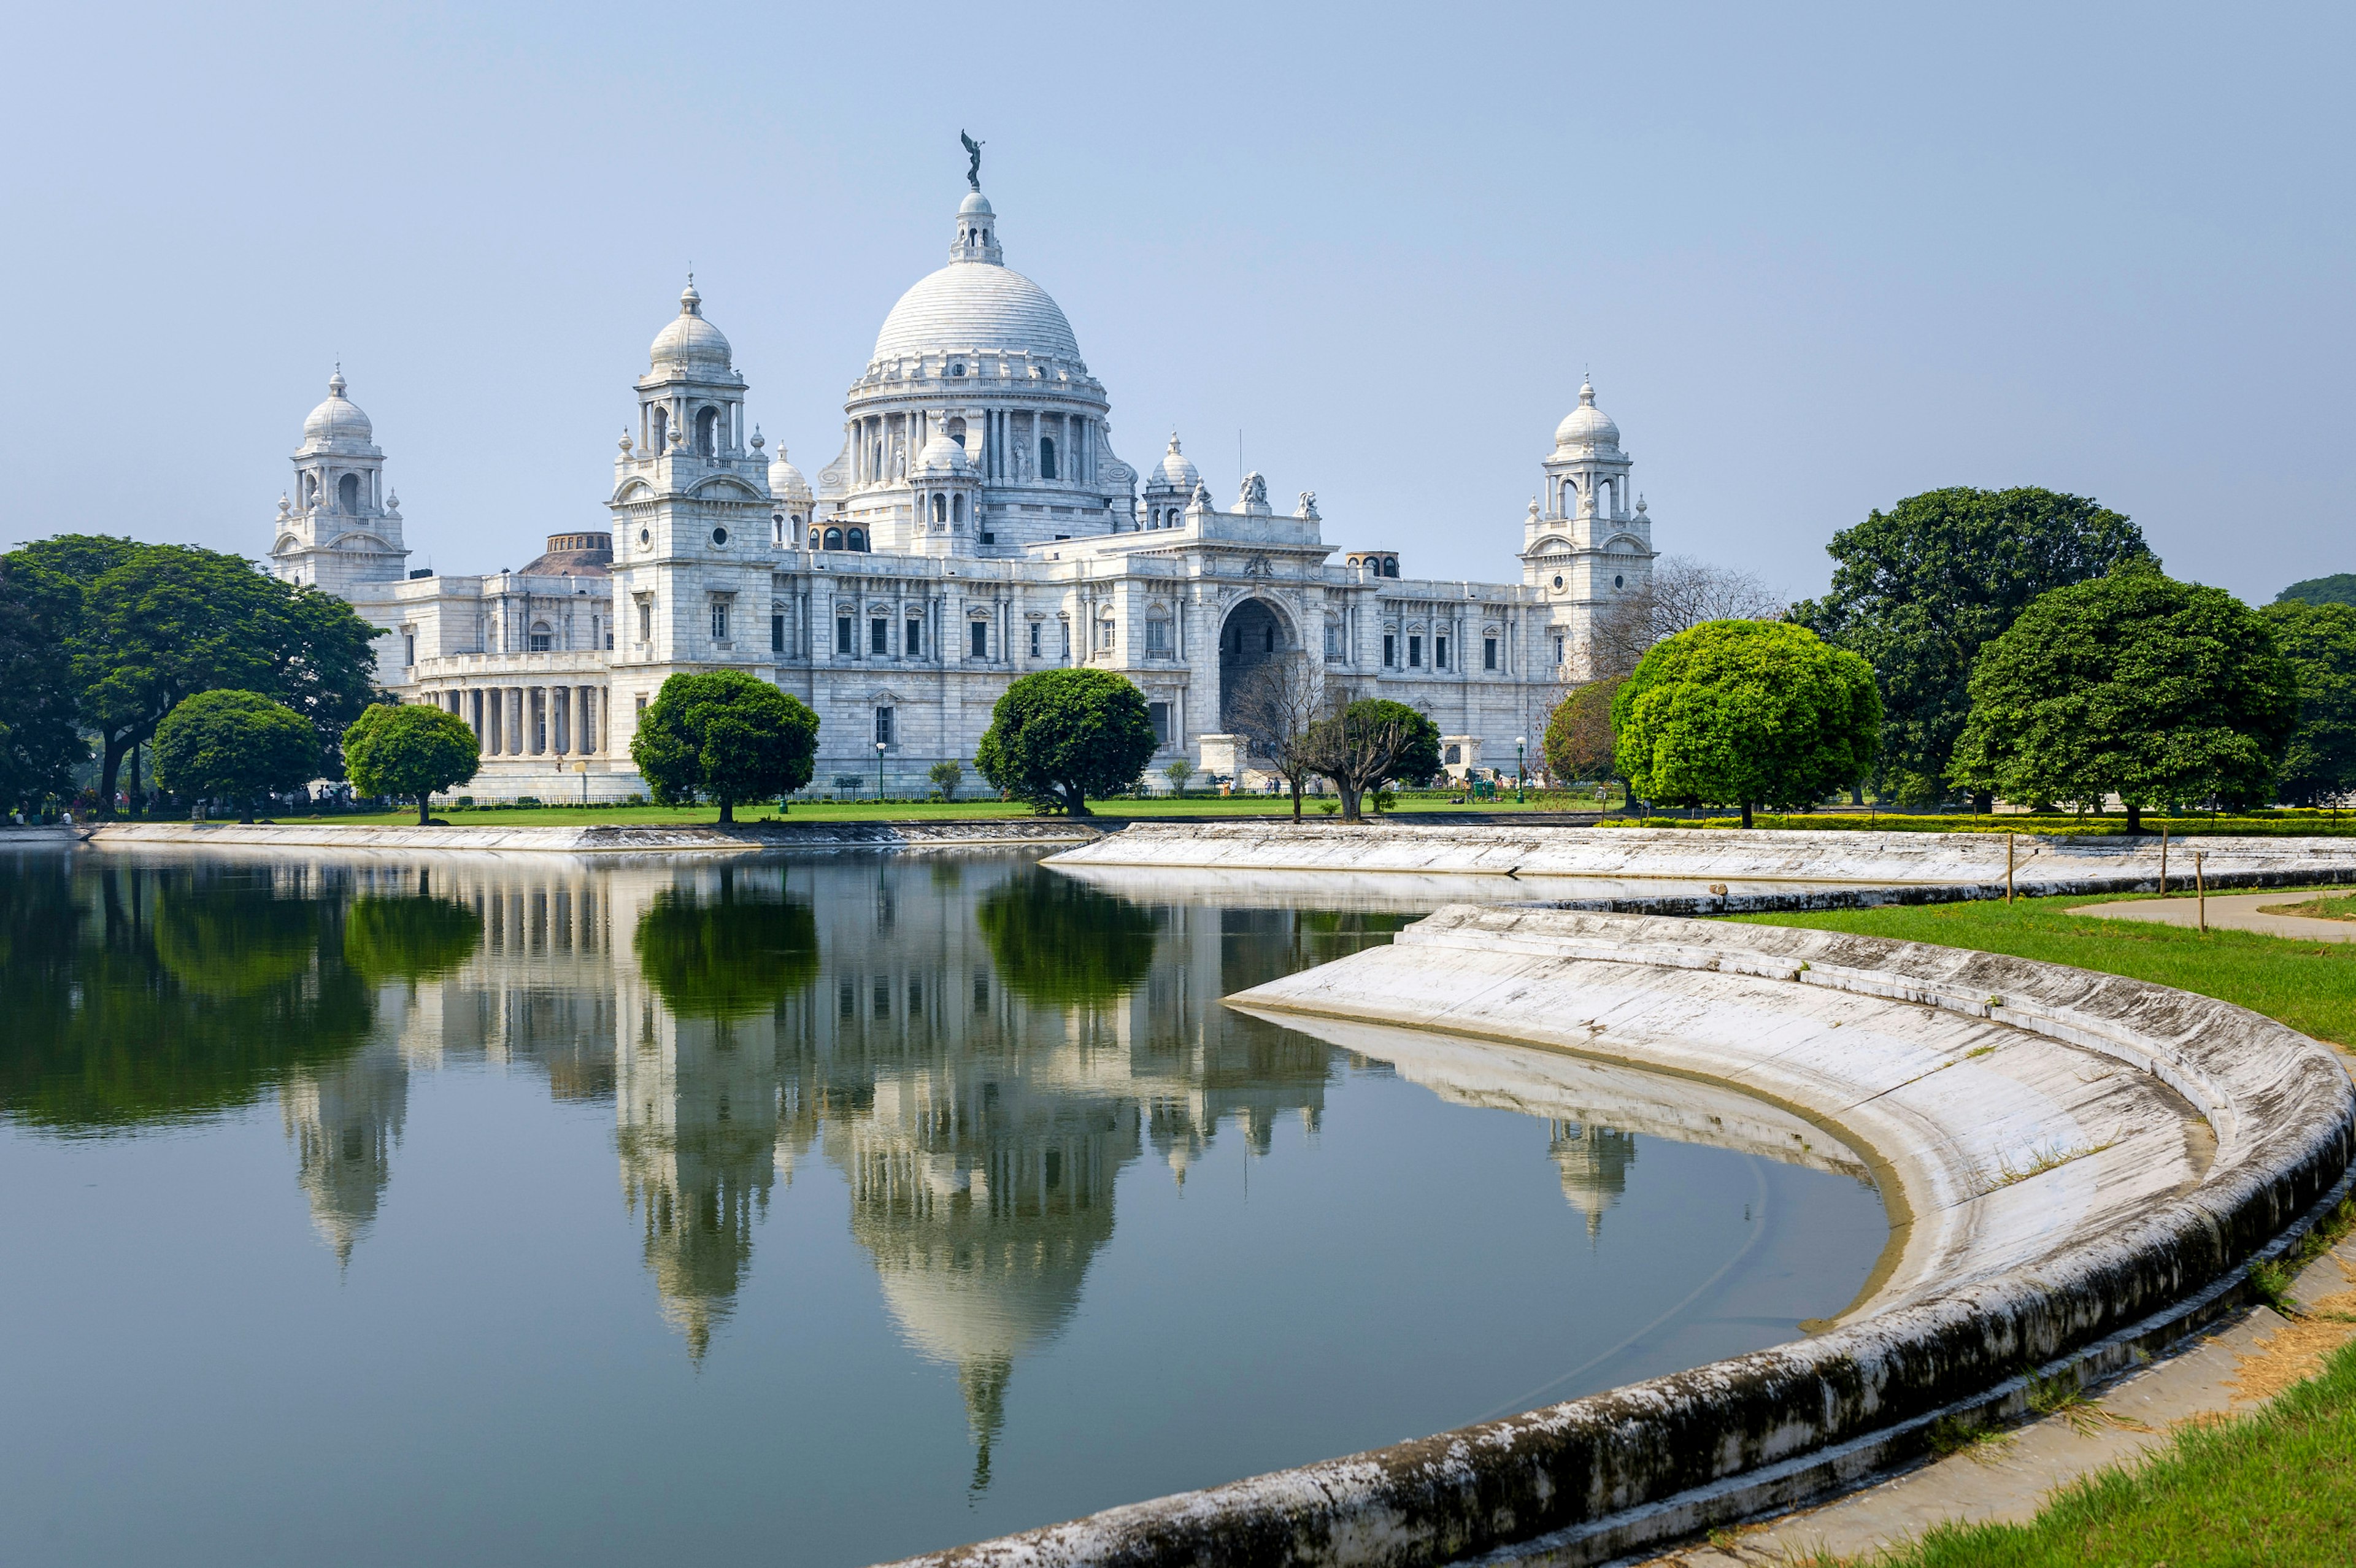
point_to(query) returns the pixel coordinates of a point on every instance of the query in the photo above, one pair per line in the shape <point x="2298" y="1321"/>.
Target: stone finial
<point x="392" y="502"/>
<point x="757" y="441"/>
<point x="284" y="505"/>
<point x="625" y="442"/>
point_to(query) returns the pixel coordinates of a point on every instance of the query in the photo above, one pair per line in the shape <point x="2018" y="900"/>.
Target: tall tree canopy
<point x="1918" y="590"/>
<point x="2133" y="684"/>
<point x="724" y="736"/>
<point x="728" y="952"/>
<point x="233" y="745"/>
<point x="1579" y="742"/>
<point x="1060" y="736"/>
<point x="410" y="748"/>
<point x="40" y="745"/>
<point x="2318" y="765"/>
<point x="2340" y="588"/>
<point x="1746" y="713"/>
<point x="151" y="624"/>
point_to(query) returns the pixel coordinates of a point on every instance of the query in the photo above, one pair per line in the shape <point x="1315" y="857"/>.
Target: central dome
<point x="978" y="307"/>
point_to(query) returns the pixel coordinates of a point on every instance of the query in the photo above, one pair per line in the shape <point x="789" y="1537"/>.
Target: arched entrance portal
<point x="1253" y="635"/>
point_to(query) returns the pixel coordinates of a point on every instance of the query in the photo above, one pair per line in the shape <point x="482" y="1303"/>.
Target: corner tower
<point x="1583" y="544"/>
<point x="342" y="529"/>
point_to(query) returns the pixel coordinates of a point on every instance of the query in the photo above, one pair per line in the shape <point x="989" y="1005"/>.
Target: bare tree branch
<point x="1682" y="593"/>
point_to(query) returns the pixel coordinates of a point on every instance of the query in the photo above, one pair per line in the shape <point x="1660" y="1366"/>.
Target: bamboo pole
<point x="2201" y="887"/>
<point x="2008" y="867"/>
<point x="2163" y="861"/>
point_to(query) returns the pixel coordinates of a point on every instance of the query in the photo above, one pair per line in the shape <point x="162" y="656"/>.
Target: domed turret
<point x="689" y="343"/>
<point x="786" y="481"/>
<point x="337" y="423"/>
<point x="942" y="458"/>
<point x="1587" y="424"/>
<point x="1176" y="470"/>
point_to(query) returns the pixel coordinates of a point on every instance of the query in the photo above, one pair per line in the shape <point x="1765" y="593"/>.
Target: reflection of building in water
<point x="1595" y="1162"/>
<point x="343" y="1121"/>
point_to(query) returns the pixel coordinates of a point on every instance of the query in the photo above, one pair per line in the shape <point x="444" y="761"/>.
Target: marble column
<point x="515" y="721"/>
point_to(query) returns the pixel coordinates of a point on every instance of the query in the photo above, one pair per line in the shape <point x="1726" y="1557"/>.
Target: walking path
<point x="2006" y="1478"/>
<point x="2231" y="911"/>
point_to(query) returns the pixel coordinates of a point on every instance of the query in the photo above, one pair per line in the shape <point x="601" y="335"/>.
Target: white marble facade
<point x="976" y="525"/>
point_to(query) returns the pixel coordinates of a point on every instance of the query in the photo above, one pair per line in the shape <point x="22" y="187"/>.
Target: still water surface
<point x="804" y="1210"/>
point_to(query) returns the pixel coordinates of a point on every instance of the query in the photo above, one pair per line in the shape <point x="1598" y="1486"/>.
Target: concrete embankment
<point x="596" y="838"/>
<point x="1694" y="871"/>
<point x="2079" y="1170"/>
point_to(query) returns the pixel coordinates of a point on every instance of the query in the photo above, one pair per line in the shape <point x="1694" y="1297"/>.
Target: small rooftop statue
<point x="973" y="150"/>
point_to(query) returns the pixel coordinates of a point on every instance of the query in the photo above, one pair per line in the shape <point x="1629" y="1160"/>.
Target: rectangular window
<point x="913" y="645"/>
<point x="645" y="621"/>
<point x="719" y="619"/>
<point x="879" y="635"/>
<point x="915" y="999"/>
<point x="1157" y="636"/>
<point x="882" y="726"/>
<point x="1103" y="635"/>
<point x="642" y="702"/>
<point x="1415" y="651"/>
<point x="539" y="642"/>
<point x="1067" y="639"/>
<point x="408" y="648"/>
<point x="978" y="638"/>
<point x="1488" y="653"/>
<point x="1333" y="641"/>
<point x="1390" y="650"/>
<point x="610" y="641"/>
<point x="1035" y="639"/>
<point x="777" y="634"/>
<point x="846" y="1002"/>
<point x="1557" y="650"/>
<point x="1440" y="652"/>
<point x="843" y="636"/>
<point x="980" y="993"/>
<point x="1158" y="715"/>
<point x="883" y="999"/>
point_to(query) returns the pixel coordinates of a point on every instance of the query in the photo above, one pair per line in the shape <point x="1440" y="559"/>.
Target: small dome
<point x="975" y="204"/>
<point x="574" y="555"/>
<point x="1587" y="425"/>
<point x="786" y="481"/>
<point x="689" y="342"/>
<point x="1176" y="471"/>
<point x="942" y="456"/>
<point x="337" y="422"/>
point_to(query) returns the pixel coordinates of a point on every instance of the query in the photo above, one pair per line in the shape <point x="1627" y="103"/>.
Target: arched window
<point x="833" y="537"/>
<point x="858" y="538"/>
<point x="663" y="429"/>
<point x="957" y="427"/>
<point x="940" y="508"/>
<point x="1390" y="567"/>
<point x="310" y="489"/>
<point x="1046" y="457"/>
<point x="814" y="538"/>
<point x="1268" y="643"/>
<point x="956" y="509"/>
<point x="347" y="493"/>
<point x="540" y="639"/>
<point x="707" y="432"/>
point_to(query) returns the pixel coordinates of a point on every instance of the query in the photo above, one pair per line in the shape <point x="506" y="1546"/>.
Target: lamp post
<point x="879" y="773"/>
<point x="1521" y="774"/>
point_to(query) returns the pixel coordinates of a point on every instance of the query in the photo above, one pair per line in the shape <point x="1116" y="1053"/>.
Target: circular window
<point x="957" y="369"/>
<point x="1619" y="582"/>
<point x="720" y="536"/>
<point x="645" y="538"/>
<point x="1557" y="581"/>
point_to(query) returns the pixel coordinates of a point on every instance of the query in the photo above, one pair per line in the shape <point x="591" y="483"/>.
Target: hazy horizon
<point x="1815" y="260"/>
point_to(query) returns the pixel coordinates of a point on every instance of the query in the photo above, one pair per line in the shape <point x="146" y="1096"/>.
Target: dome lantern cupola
<point x="1587" y="425"/>
<point x="977" y="232"/>
<point x="688" y="342"/>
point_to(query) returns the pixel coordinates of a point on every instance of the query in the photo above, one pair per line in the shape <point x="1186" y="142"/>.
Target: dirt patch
<point x="2296" y="1351"/>
<point x="2342" y="908"/>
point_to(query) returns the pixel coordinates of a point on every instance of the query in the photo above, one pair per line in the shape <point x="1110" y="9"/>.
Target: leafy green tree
<point x="733" y="953"/>
<point x="2134" y="684"/>
<point x="154" y="624"/>
<point x="1178" y="771"/>
<point x="2340" y="588"/>
<point x="1417" y="757"/>
<point x="395" y="749"/>
<point x="726" y="737"/>
<point x="947" y="777"/>
<point x="1746" y="713"/>
<point x="40" y="745"/>
<point x="1060" y="736"/>
<point x="1059" y="943"/>
<point x="1579" y="742"/>
<point x="2318" y="765"/>
<point x="233" y="745"/>
<point x="1365" y="745"/>
<point x="1918" y="590"/>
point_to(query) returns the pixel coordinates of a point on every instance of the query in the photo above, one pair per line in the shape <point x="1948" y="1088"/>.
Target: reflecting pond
<point x="527" y="1211"/>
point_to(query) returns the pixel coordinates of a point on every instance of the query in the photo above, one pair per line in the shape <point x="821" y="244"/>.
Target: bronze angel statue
<point x="973" y="150"/>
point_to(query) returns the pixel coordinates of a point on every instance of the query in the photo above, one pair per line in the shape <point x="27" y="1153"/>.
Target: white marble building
<point x="976" y="525"/>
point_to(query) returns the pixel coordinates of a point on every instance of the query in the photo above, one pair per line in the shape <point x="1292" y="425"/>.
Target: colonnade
<point x="532" y="720"/>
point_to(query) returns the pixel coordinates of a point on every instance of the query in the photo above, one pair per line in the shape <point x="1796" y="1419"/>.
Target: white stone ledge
<point x="586" y="840"/>
<point x="2197" y="1136"/>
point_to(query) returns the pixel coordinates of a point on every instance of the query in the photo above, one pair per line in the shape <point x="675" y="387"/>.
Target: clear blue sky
<point x="1817" y="258"/>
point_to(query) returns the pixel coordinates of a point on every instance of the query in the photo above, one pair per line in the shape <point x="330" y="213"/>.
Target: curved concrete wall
<point x="2080" y="1166"/>
<point x="1625" y="867"/>
<point x="591" y="838"/>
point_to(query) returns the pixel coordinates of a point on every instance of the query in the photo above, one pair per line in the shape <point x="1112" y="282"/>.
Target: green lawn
<point x="2310" y="986"/>
<point x="2275" y="1487"/>
<point x="936" y="811"/>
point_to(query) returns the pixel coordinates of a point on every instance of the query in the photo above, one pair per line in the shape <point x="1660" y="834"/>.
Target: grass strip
<point x="2310" y="986"/>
